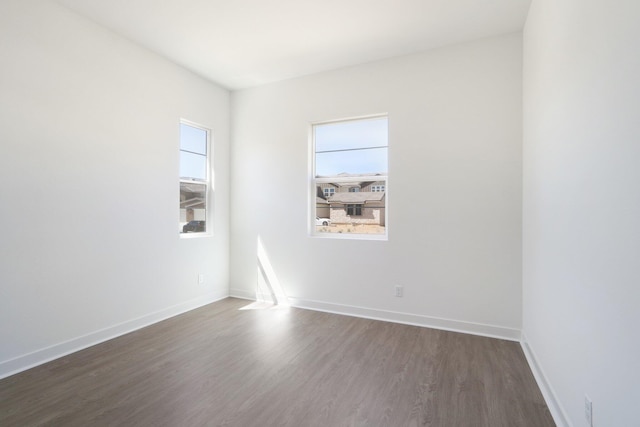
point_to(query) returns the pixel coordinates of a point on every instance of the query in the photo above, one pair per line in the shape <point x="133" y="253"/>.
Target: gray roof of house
<point x="344" y="174"/>
<point x="321" y="201"/>
<point x="356" y="198"/>
<point x="350" y="183"/>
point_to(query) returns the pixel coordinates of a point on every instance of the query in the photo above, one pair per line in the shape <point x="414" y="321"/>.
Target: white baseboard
<point x="557" y="412"/>
<point x="242" y="294"/>
<point x="491" y="331"/>
<point x="250" y="295"/>
<point x="38" y="357"/>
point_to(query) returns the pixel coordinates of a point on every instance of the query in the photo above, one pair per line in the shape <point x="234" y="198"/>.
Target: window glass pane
<point x="193" y="139"/>
<point x="351" y="134"/>
<point x="193" y="166"/>
<point x="373" y="161"/>
<point x="193" y="212"/>
<point x="338" y="215"/>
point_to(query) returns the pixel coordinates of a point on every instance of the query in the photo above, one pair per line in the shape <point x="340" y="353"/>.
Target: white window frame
<point x="315" y="181"/>
<point x="207" y="182"/>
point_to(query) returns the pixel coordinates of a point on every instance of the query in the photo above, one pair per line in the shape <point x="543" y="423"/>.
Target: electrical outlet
<point x="201" y="279"/>
<point x="399" y="290"/>
<point x="588" y="411"/>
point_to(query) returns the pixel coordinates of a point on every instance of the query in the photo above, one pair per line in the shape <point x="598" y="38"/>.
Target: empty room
<point x="296" y="213"/>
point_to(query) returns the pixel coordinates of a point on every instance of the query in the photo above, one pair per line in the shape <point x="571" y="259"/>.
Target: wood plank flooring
<point x="222" y="366"/>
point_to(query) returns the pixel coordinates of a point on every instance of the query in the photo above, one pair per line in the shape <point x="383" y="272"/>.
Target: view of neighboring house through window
<point x="328" y="192"/>
<point x="354" y="210"/>
<point x="350" y="177"/>
<point x="194" y="177"/>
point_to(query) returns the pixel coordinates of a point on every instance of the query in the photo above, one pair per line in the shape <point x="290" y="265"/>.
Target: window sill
<point x="350" y="236"/>
<point x="195" y="235"/>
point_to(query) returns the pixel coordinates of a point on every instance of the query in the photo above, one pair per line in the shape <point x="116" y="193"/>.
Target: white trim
<point x="350" y="236"/>
<point x="472" y="328"/>
<point x="242" y="294"/>
<point x="44" y="355"/>
<point x="261" y="296"/>
<point x="251" y="296"/>
<point x="557" y="411"/>
<point x="351" y="119"/>
<point x="195" y="235"/>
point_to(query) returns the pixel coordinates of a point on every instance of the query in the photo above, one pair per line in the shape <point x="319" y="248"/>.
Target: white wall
<point x="582" y="205"/>
<point x="89" y="128"/>
<point x="455" y="188"/>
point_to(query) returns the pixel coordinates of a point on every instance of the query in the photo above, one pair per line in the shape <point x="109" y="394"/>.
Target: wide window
<point x="194" y="178"/>
<point x="350" y="157"/>
<point x="354" y="210"/>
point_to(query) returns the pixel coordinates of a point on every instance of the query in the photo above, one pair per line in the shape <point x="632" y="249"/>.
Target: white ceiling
<point x="243" y="43"/>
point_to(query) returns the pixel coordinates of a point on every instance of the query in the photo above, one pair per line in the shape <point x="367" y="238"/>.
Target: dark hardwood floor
<point x="222" y="366"/>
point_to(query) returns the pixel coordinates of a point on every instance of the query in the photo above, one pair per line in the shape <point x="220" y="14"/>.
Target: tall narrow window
<point x="350" y="156"/>
<point x="194" y="178"/>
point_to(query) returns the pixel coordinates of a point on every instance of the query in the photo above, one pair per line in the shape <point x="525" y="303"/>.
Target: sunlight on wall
<point x="267" y="279"/>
